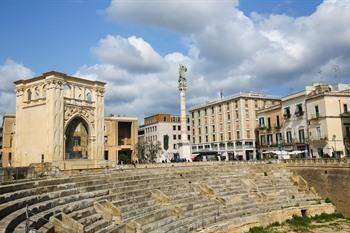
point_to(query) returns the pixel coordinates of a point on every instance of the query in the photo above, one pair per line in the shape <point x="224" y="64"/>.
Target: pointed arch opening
<point x="77" y="139"/>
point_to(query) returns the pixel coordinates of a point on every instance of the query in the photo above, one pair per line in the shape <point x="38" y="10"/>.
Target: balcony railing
<point x="299" y="113"/>
<point x="287" y="115"/>
<point x="124" y="142"/>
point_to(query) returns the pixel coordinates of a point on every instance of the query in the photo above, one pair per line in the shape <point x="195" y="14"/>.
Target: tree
<point x="141" y="151"/>
<point x="154" y="148"/>
<point x="147" y="152"/>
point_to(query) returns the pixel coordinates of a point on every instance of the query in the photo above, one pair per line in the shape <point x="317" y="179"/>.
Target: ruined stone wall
<point x="331" y="180"/>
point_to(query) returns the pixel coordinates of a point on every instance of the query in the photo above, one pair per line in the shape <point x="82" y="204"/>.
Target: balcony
<point x="124" y="142"/>
<point x="314" y="116"/>
<point x="299" y="113"/>
<point x="278" y="127"/>
<point x="287" y="116"/>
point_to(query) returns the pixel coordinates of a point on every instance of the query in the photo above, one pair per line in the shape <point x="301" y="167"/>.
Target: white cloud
<point x="227" y="49"/>
<point x="10" y="71"/>
<point x="130" y="53"/>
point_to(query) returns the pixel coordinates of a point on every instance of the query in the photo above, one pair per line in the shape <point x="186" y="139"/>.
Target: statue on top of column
<point x="182" y="77"/>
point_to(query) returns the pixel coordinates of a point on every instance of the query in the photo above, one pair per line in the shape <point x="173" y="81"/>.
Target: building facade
<point x="269" y="129"/>
<point x="8" y="134"/>
<point x="329" y="121"/>
<point x="316" y="123"/>
<point x="58" y="118"/>
<point x="120" y="138"/>
<point x="166" y="129"/>
<point x="227" y="126"/>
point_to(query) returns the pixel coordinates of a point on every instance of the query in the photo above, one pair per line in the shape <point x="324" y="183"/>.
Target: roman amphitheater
<point x="180" y="197"/>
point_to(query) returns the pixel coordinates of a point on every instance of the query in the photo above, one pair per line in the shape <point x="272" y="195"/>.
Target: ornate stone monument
<point x="184" y="145"/>
<point x="59" y="118"/>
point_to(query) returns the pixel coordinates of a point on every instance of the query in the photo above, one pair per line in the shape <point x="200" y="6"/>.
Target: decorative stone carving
<point x="73" y="110"/>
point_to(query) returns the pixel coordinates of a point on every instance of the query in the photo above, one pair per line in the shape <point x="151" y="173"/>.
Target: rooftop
<point x="236" y="96"/>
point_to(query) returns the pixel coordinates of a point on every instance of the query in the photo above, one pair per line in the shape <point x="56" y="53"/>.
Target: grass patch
<point x="300" y="224"/>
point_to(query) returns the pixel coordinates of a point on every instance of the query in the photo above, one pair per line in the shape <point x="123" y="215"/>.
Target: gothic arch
<point x="77" y="138"/>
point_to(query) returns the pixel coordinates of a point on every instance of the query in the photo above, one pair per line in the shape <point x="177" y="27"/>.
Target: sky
<point x="271" y="46"/>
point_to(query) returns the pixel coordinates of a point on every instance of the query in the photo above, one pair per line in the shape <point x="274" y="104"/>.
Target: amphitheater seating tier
<point x="194" y="198"/>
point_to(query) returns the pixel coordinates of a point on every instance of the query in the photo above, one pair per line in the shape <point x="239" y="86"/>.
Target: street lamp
<point x="335" y="145"/>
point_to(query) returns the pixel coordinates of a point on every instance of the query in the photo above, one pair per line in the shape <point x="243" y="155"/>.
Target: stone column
<point x="184" y="145"/>
<point x="17" y="140"/>
<point x="98" y="148"/>
<point x="54" y="101"/>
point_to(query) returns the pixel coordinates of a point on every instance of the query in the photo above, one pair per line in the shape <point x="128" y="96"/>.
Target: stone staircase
<point x="190" y="198"/>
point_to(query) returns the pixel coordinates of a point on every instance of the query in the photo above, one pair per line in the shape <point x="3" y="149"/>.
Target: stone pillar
<point x="98" y="148"/>
<point x="54" y="101"/>
<point x="18" y="133"/>
<point x="184" y="145"/>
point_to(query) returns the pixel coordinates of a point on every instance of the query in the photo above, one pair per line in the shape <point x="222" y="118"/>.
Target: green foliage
<point x="327" y="217"/>
<point x="166" y="142"/>
<point x="275" y="224"/>
<point x="147" y="152"/>
<point x="299" y="221"/>
<point x="327" y="200"/>
<point x="257" y="230"/>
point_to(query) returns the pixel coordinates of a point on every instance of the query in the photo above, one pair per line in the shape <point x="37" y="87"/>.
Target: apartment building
<point x="227" y="126"/>
<point x="329" y="121"/>
<point x="166" y="129"/>
<point x="120" y="138"/>
<point x="8" y="135"/>
<point x="269" y="129"/>
<point x="316" y="123"/>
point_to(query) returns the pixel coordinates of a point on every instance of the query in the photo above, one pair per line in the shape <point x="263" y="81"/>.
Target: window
<point x="345" y="108"/>
<point x="199" y="121"/>
<point x="179" y="136"/>
<point x="174" y="136"/>
<point x="317" y="112"/>
<point x="200" y="139"/>
<point x="261" y="122"/>
<point x="247" y="113"/>
<point x="29" y="95"/>
<point x="347" y="129"/>
<point x="289" y="137"/>
<point x="238" y="135"/>
<point x="286" y="112"/>
<point x="299" y="110"/>
<point x="318" y="132"/>
<point x="206" y="129"/>
<point x="229" y="136"/>
<point x="228" y="116"/>
<point x="212" y="110"/>
<point x="221" y="137"/>
<point x="248" y="133"/>
<point x="269" y="139"/>
<point x="214" y="138"/>
<point x="278" y="138"/>
<point x="237" y="116"/>
<point x="262" y="140"/>
<point x="178" y="127"/>
<point x="76" y="141"/>
<point x="174" y="146"/>
<point x="188" y="137"/>
<point x="213" y="128"/>
<point x="106" y="139"/>
<point x="205" y="112"/>
<point x="269" y="122"/>
<point x="188" y="128"/>
<point x="301" y="135"/>
<point x="278" y="121"/>
<point x="206" y="138"/>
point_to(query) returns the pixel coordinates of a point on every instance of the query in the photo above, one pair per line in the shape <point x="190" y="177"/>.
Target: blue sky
<point x="54" y="34"/>
<point x="273" y="46"/>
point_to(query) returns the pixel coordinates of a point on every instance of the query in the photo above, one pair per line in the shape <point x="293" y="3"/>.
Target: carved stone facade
<point x="46" y="108"/>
